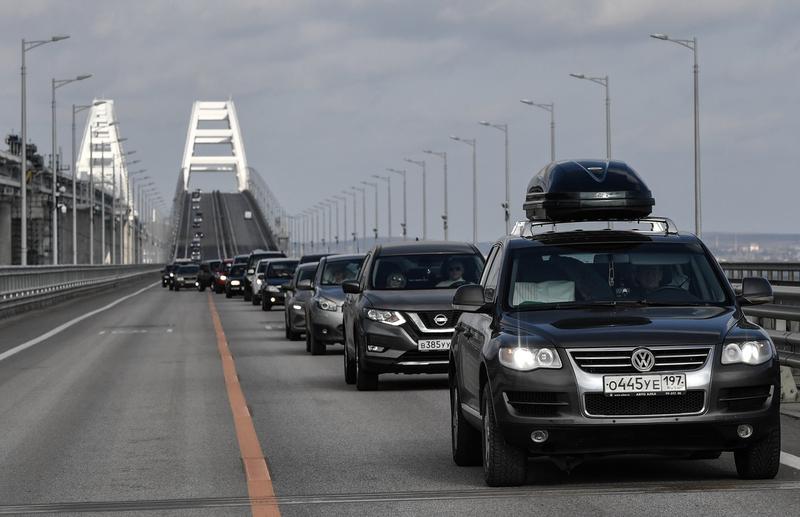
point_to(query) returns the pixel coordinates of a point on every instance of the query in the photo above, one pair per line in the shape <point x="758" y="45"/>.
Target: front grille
<point x="416" y="355"/>
<point x="751" y="398"/>
<point x="427" y="319"/>
<point x="598" y="404"/>
<point x="537" y="403"/>
<point x="608" y="360"/>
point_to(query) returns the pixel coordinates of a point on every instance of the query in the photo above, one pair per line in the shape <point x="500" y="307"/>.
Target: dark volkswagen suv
<point x="398" y="316"/>
<point x="610" y="338"/>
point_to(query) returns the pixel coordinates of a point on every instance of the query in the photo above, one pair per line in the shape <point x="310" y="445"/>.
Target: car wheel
<point x="266" y="306"/>
<point x="177" y="288"/>
<point x="317" y="347"/>
<point x="465" y="439"/>
<point x="228" y="294"/>
<point x="217" y="289"/>
<point x="762" y="459"/>
<point x="503" y="464"/>
<point x="365" y="381"/>
<point x="308" y="337"/>
<point x="171" y="287"/>
<point x="256" y="300"/>
<point x="248" y="295"/>
<point x="349" y="367"/>
<point x="287" y="327"/>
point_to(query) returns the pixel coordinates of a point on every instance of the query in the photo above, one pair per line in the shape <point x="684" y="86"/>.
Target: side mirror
<point x="755" y="291"/>
<point x="260" y="276"/>
<point x="304" y="285"/>
<point x="469" y="298"/>
<point x="285" y="288"/>
<point x="351" y="287"/>
<point x="251" y="271"/>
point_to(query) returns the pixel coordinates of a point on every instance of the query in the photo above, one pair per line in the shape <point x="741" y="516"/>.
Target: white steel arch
<point x="214" y="113"/>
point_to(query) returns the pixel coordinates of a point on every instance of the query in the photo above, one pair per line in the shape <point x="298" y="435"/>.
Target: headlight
<point x="180" y="279"/>
<point x="235" y="282"/>
<point x="524" y="359"/>
<point x="297" y="307"/>
<point x="273" y="289"/>
<point x="388" y="317"/>
<point x="327" y="305"/>
<point x="747" y="352"/>
<point x="171" y="275"/>
<point x="259" y="281"/>
<point x="223" y="277"/>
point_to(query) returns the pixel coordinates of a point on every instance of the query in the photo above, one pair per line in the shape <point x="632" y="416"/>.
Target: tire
<point x="171" y="287"/>
<point x="177" y="288"/>
<point x="266" y="306"/>
<point x="248" y="295"/>
<point x="218" y="289"/>
<point x="503" y="464"/>
<point x="465" y="439"/>
<point x="256" y="300"/>
<point x="228" y="294"/>
<point x="760" y="460"/>
<point x="349" y="367"/>
<point x="316" y="346"/>
<point x="365" y="380"/>
<point x="287" y="327"/>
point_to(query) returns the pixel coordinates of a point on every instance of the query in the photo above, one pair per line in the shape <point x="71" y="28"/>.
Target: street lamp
<point x="355" y="241"/>
<point x="506" y="204"/>
<point x="23" y="169"/>
<point x="443" y="156"/>
<point x="363" y="210"/>
<point x="551" y="107"/>
<point x="421" y="163"/>
<point x="56" y="84"/>
<point x="344" y="200"/>
<point x="388" y="180"/>
<point x="374" y="185"/>
<point x="404" y="225"/>
<point x="472" y="142"/>
<point x="602" y="81"/>
<point x="691" y="44"/>
<point x="75" y="110"/>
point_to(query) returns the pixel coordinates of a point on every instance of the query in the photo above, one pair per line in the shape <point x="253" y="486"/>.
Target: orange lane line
<point x="259" y="482"/>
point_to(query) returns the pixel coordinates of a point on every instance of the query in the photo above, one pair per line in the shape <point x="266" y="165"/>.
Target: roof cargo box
<point x="587" y="190"/>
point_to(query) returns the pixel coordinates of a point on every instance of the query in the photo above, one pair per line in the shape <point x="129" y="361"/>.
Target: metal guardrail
<point x="778" y="273"/>
<point x="20" y="285"/>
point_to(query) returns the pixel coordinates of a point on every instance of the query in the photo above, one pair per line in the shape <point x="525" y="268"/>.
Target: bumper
<point x="297" y="318"/>
<point x="555" y="401"/>
<point x="272" y="297"/>
<point x="401" y="353"/>
<point x="187" y="282"/>
<point x="235" y="289"/>
<point x="325" y="325"/>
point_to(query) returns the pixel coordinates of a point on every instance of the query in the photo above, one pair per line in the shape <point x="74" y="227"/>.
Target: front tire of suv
<point x="762" y="459"/>
<point x="503" y="464"/>
<point x="316" y="346"/>
<point x="228" y="294"/>
<point x="255" y="300"/>
<point x="365" y="381"/>
<point x="466" y="440"/>
<point x="266" y="306"/>
<point x="349" y="367"/>
<point x="248" y="295"/>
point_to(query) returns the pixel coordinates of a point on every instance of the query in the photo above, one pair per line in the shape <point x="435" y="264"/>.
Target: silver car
<point x="298" y="291"/>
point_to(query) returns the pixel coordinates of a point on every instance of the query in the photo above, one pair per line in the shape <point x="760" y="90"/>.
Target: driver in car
<point x="648" y="278"/>
<point x="455" y="274"/>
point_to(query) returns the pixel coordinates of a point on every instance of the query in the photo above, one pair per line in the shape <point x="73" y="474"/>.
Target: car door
<point x="476" y="332"/>
<point x="351" y="303"/>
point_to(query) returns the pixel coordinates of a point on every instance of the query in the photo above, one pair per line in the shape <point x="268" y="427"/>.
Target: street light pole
<point x="404" y="225"/>
<point x="388" y="180"/>
<point x="505" y="205"/>
<point x="344" y="234"/>
<point x="374" y="185"/>
<point x="691" y="44"/>
<point x="443" y="156"/>
<point x="363" y="211"/>
<point x="23" y="169"/>
<point x="472" y="142"/>
<point x="355" y="241"/>
<point x="602" y="81"/>
<point x="551" y="107"/>
<point x="421" y="163"/>
<point x="56" y="84"/>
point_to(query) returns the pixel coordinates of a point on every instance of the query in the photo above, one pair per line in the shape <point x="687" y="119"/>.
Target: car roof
<point x="594" y="237"/>
<point x="343" y="257"/>
<point x="271" y="260"/>
<point x="421" y="247"/>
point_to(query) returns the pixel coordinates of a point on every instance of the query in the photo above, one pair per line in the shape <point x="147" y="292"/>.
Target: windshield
<point x="281" y="269"/>
<point x="646" y="273"/>
<point x="237" y="270"/>
<point x="188" y="270"/>
<point x="306" y="273"/>
<point x="429" y="271"/>
<point x="338" y="271"/>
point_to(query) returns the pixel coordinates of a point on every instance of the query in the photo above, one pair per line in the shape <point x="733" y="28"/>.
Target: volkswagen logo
<point x="643" y="360"/>
<point x="440" y="319"/>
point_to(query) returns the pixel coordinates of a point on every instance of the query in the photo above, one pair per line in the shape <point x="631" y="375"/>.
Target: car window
<point x="306" y="273"/>
<point x="651" y="273"/>
<point x="237" y="270"/>
<point x="281" y="270"/>
<point x="187" y="270"/>
<point x="426" y="271"/>
<point x="492" y="274"/>
<point x="340" y="271"/>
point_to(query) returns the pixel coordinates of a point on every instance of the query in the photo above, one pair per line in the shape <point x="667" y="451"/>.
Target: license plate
<point x="634" y="385"/>
<point x="433" y="344"/>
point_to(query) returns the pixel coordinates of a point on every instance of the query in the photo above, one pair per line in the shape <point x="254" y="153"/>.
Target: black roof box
<point x="586" y="190"/>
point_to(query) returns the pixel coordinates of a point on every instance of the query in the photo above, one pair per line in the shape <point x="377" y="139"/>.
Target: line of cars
<point x="593" y="329"/>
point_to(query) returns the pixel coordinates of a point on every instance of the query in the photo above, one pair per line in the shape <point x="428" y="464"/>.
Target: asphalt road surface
<point x="151" y="407"/>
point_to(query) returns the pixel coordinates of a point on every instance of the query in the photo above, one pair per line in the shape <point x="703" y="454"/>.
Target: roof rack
<point x="646" y="225"/>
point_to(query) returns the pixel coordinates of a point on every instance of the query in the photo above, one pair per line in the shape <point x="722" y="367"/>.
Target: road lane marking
<point x="259" y="482"/>
<point x="47" y="335"/>
<point x="790" y="460"/>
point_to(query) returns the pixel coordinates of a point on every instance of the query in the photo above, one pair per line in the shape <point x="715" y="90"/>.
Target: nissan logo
<point x="643" y="360"/>
<point x="440" y="319"/>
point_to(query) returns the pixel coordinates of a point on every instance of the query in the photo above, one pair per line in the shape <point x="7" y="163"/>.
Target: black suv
<point x="608" y="337"/>
<point x="397" y="316"/>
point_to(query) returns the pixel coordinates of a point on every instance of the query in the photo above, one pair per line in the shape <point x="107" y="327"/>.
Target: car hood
<point x="626" y="327"/>
<point x="278" y="281"/>
<point x="331" y="292"/>
<point x="412" y="300"/>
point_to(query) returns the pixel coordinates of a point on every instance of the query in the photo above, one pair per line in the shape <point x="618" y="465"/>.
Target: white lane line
<point x="790" y="460"/>
<point x="47" y="335"/>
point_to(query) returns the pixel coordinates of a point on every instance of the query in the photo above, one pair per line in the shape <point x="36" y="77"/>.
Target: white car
<point x="248" y="214"/>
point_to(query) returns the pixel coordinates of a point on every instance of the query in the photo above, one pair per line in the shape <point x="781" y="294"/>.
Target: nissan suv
<point x="397" y="315"/>
<point x="602" y="337"/>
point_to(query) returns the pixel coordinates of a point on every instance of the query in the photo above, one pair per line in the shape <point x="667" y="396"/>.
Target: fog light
<point x="324" y="331"/>
<point x="272" y="300"/>
<point x="744" y="431"/>
<point x="375" y="348"/>
<point x="539" y="436"/>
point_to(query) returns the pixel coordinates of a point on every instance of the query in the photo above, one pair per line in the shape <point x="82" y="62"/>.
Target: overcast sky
<point x="330" y="92"/>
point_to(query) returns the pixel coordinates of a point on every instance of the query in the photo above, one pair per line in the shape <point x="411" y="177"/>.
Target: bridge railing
<point x="778" y="273"/>
<point x="24" y="285"/>
<point x="270" y="207"/>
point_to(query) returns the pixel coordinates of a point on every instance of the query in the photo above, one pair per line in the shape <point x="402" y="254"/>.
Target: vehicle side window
<point x="492" y="273"/>
<point x="363" y="273"/>
<point x="488" y="266"/>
